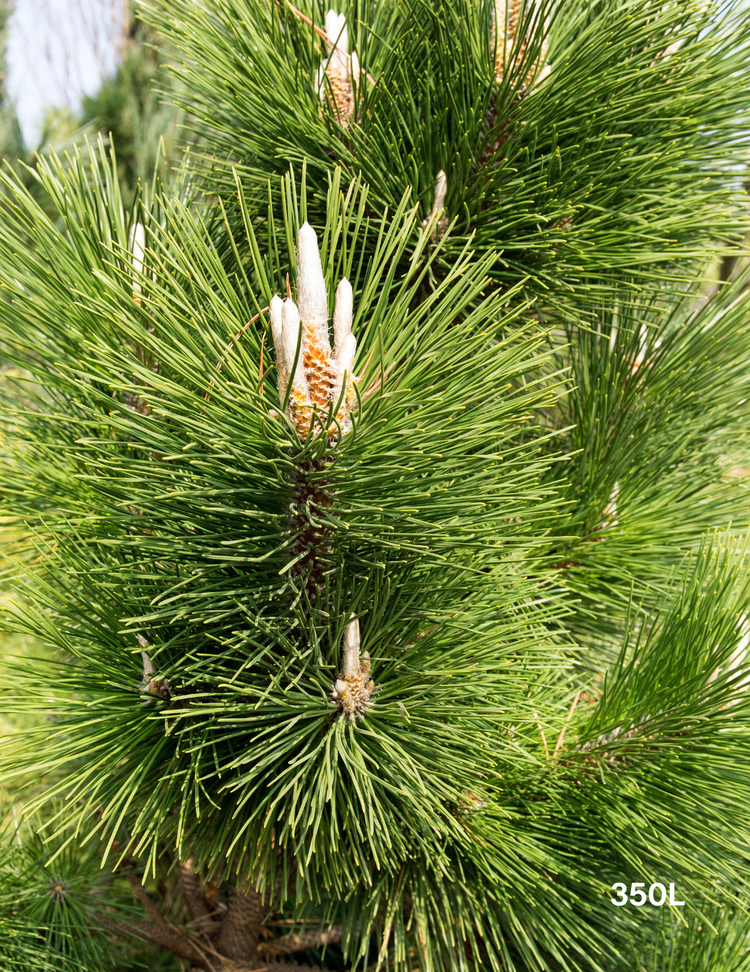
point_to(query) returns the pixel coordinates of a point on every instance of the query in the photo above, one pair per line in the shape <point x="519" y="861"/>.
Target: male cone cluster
<point x="335" y="75"/>
<point x="316" y="383"/>
<point x="507" y="17"/>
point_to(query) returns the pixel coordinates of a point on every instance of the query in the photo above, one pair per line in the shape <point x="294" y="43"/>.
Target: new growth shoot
<point x="508" y="14"/>
<point x="322" y="381"/>
<point x="353" y="690"/>
<point x="337" y="72"/>
<point x="317" y="384"/>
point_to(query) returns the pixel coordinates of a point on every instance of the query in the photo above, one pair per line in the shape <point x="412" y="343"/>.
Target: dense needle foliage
<point x="619" y="167"/>
<point x="526" y="529"/>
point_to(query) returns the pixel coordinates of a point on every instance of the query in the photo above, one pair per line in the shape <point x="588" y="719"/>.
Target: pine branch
<point x="203" y="918"/>
<point x="240" y="927"/>
<point x="672" y="77"/>
<point x="264" y="522"/>
<point x="659" y="414"/>
<point x="162" y="932"/>
<point x="288" y="944"/>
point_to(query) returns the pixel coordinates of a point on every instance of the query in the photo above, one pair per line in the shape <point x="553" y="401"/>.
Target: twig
<point x="161" y="931"/>
<point x="565" y="725"/>
<point x="240" y="929"/>
<point x="236" y="337"/>
<point x="389" y="923"/>
<point x="321" y="33"/>
<point x="191" y="886"/>
<point x="288" y="944"/>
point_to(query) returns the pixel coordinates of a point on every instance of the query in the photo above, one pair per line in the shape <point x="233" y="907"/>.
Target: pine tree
<point x="376" y="499"/>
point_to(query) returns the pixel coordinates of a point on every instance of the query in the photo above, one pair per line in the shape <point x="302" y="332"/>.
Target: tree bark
<point x="240" y="929"/>
<point x="228" y="942"/>
<point x="288" y="944"/>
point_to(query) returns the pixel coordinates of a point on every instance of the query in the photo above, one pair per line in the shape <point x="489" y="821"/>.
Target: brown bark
<point x="162" y="932"/>
<point x="240" y="929"/>
<point x="288" y="944"/>
<point x="228" y="942"/>
<point x="202" y="916"/>
<point x="311" y="545"/>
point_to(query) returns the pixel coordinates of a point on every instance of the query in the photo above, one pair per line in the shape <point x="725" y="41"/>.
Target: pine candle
<point x="322" y="381"/>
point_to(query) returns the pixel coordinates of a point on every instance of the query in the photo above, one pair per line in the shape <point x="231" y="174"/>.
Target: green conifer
<point x="379" y="497"/>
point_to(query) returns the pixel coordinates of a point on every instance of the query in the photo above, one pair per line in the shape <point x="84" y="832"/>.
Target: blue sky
<point x="57" y="50"/>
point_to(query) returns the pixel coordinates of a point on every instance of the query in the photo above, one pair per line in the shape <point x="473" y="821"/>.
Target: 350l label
<point x="657" y="895"/>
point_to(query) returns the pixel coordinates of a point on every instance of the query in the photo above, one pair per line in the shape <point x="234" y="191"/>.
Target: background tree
<point x="130" y="109"/>
<point x="396" y="644"/>
<point x="11" y="141"/>
<point x="127" y="108"/>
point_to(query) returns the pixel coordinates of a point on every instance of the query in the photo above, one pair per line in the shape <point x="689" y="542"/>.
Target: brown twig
<point x="391" y="916"/>
<point x="191" y="888"/>
<point x="230" y="946"/>
<point x="162" y="932"/>
<point x="240" y="929"/>
<point x="560" y="738"/>
<point x="288" y="944"/>
<point x="321" y="33"/>
<point x="231" y="344"/>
